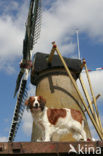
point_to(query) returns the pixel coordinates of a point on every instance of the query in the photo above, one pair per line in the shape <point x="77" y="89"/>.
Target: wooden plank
<point x="90" y="106"/>
<point x="94" y="99"/>
<point x="79" y="94"/>
<point x="47" y="147"/>
<point x="51" y="54"/>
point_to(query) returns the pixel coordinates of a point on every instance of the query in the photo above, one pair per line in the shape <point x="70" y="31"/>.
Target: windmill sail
<point x="31" y="36"/>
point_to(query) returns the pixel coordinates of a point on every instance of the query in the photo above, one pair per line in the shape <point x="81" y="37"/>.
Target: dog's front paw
<point x="39" y="140"/>
<point x="46" y="139"/>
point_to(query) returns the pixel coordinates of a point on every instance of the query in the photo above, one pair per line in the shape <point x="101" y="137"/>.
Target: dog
<point x="52" y="120"/>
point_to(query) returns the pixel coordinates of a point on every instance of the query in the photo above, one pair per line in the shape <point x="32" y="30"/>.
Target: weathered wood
<point x="94" y="99"/>
<point x="90" y="106"/>
<point x="47" y="148"/>
<point x="51" y="54"/>
<point x="79" y="94"/>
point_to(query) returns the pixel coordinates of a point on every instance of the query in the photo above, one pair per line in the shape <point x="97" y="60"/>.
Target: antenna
<point x="77" y="32"/>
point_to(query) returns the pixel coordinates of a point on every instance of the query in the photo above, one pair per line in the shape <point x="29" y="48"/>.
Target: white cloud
<point x="63" y="17"/>
<point x="10" y="37"/>
<point x="96" y="78"/>
<point x="58" y="23"/>
<point x="3" y="139"/>
<point x="12" y="30"/>
<point x="86" y="15"/>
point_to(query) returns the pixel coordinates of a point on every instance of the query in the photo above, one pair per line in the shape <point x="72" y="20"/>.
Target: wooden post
<point x="52" y="53"/>
<point x="96" y="99"/>
<point x="92" y="93"/>
<point x="89" y="101"/>
<point x="75" y="86"/>
<point x="86" y="95"/>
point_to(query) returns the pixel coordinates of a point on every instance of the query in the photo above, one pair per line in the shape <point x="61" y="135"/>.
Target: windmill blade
<point x="36" y="23"/>
<point x="33" y="27"/>
<point x="31" y="35"/>
<point x="18" y="82"/>
<point x="18" y="112"/>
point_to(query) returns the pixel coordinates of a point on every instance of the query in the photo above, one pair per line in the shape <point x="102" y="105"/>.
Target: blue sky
<point x="59" y="20"/>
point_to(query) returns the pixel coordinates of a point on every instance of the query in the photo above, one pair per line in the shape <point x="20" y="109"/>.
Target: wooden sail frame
<point x="93" y="114"/>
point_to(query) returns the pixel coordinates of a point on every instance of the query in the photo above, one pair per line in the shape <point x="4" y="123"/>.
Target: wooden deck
<point x="49" y="148"/>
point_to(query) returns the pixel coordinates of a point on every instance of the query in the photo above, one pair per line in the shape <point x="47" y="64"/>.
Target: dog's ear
<point x="26" y="102"/>
<point x="42" y="99"/>
<point x="42" y="102"/>
<point x="29" y="101"/>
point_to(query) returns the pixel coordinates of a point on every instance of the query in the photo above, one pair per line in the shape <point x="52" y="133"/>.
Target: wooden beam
<point x="51" y="53"/>
<point x="96" y="99"/>
<point x="86" y="95"/>
<point x="90" y="106"/>
<point x="47" y="148"/>
<point x="75" y="86"/>
<point x="92" y="93"/>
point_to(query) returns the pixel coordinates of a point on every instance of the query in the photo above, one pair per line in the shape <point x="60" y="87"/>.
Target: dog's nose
<point x="36" y="105"/>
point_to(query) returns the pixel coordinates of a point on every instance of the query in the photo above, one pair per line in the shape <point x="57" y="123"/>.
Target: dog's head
<point x="35" y="103"/>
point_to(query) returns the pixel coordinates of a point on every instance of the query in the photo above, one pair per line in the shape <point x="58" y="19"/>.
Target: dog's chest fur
<point x="60" y="121"/>
<point x="49" y="116"/>
<point x="40" y="118"/>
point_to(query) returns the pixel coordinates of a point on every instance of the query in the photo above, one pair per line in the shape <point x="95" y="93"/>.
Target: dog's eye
<point x="39" y="100"/>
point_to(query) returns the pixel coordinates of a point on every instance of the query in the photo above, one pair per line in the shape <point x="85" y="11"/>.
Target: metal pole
<point x="77" y="32"/>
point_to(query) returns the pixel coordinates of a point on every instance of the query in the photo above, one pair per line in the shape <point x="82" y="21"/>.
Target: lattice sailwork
<point x="32" y="34"/>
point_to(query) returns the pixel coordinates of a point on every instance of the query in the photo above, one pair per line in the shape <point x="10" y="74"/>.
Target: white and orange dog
<point x="51" y="120"/>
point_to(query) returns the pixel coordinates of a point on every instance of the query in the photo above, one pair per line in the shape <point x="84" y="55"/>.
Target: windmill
<point x="53" y="69"/>
<point x="31" y="36"/>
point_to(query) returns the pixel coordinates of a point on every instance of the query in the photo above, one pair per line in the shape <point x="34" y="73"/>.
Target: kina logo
<point x="85" y="149"/>
<point x="72" y="149"/>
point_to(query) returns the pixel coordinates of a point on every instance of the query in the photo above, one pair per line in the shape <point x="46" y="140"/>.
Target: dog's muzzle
<point x="36" y="105"/>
